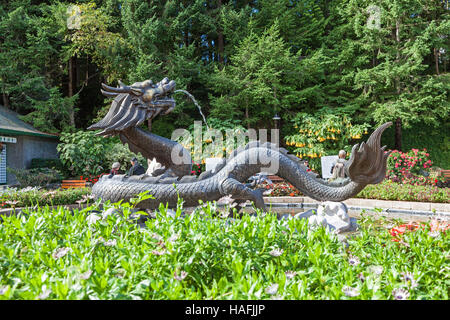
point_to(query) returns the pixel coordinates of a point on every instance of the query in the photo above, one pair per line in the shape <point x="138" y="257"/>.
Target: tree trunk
<point x="398" y="121"/>
<point x="220" y="41"/>
<point x="436" y="60"/>
<point x="5" y="99"/>
<point x="398" y="134"/>
<point x="72" y="85"/>
<point x="149" y="122"/>
<point x="186" y="38"/>
<point x="247" y="117"/>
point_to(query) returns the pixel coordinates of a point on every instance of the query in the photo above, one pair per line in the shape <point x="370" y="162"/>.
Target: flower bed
<point x="412" y="167"/>
<point x="59" y="255"/>
<point x="386" y="190"/>
<point x="33" y="196"/>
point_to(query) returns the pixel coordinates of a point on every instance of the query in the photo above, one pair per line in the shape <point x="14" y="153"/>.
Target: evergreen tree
<point x="393" y="73"/>
<point x="259" y="81"/>
<point x="30" y="76"/>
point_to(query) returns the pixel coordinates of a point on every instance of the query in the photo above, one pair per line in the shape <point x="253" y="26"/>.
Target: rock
<point x="305" y="214"/>
<point x="153" y="166"/>
<point x="332" y="215"/>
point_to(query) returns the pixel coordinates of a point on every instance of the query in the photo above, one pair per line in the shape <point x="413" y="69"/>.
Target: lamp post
<point x="276" y="118"/>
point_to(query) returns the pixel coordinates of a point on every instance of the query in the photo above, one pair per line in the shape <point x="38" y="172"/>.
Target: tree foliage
<point x="242" y="60"/>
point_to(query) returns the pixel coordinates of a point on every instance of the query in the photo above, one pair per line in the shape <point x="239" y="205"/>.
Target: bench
<point x="445" y="174"/>
<point x="66" y="184"/>
<point x="275" y="179"/>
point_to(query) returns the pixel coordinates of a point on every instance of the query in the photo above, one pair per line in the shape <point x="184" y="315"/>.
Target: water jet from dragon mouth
<point x="196" y="103"/>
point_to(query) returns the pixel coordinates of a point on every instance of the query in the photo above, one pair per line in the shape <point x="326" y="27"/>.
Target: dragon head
<point x="134" y="104"/>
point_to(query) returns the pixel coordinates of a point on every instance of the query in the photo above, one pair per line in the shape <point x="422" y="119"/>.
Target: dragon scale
<point x="141" y="101"/>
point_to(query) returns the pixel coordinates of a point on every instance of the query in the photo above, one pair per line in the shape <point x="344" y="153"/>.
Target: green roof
<point x="11" y="124"/>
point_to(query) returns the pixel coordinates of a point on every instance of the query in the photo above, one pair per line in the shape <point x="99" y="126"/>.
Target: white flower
<point x="226" y="200"/>
<point x="276" y="252"/>
<point x="353" y="260"/>
<point x="45" y="293"/>
<point x="361" y="277"/>
<point x="434" y="234"/>
<point x="99" y="240"/>
<point x="81" y="201"/>
<point x="377" y="270"/>
<point x="181" y="276"/>
<point x="272" y="289"/>
<point x="159" y="253"/>
<point x="61" y="252"/>
<point x="350" y="292"/>
<point x="408" y="277"/>
<point x="156" y="236"/>
<point x="110" y="243"/>
<point x="49" y="193"/>
<point x="174" y="238"/>
<point x="86" y="275"/>
<point x="87" y="196"/>
<point x="3" y="290"/>
<point x="400" y="294"/>
<point x="290" y="274"/>
<point x="93" y="218"/>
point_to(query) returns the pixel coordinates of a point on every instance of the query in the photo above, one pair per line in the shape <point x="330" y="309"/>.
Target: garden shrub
<point x="323" y="134"/>
<point x="46" y="163"/>
<point x="35" y="177"/>
<point x="386" y="190"/>
<point x="389" y="190"/>
<point x="58" y="254"/>
<point x="420" y="136"/>
<point x="412" y="167"/>
<point x="84" y="153"/>
<point x="33" y="196"/>
<point x="234" y="135"/>
<point x="119" y="152"/>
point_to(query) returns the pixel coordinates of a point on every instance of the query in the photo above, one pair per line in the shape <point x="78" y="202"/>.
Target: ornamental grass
<point x="58" y="254"/>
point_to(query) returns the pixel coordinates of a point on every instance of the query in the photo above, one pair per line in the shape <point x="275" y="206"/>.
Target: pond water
<point x="292" y="209"/>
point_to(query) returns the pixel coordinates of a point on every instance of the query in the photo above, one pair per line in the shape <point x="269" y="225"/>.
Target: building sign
<point x="8" y="139"/>
<point x="3" y="165"/>
<point x="327" y="163"/>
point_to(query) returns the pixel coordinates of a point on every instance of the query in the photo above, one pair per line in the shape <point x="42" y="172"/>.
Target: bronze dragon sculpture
<point x="134" y="104"/>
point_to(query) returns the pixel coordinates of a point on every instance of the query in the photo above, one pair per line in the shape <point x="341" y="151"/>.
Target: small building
<point x="20" y="143"/>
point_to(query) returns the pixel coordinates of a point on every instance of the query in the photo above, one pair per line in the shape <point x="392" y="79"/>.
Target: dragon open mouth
<point x="134" y="104"/>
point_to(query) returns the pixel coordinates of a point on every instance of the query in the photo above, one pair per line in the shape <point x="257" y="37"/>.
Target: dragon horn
<point x="109" y="94"/>
<point x="125" y="89"/>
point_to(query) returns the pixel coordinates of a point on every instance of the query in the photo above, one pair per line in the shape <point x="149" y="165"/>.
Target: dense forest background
<point x="244" y="61"/>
